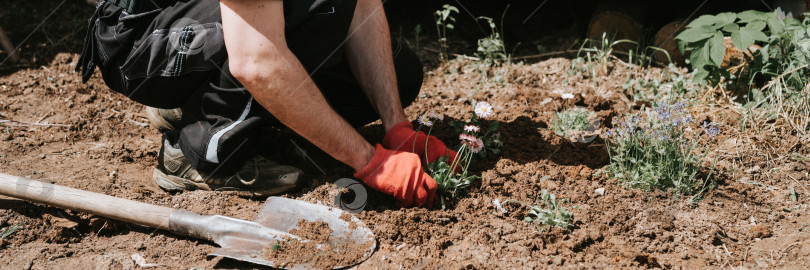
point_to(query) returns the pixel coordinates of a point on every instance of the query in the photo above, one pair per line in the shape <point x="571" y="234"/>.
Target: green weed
<point x="10" y="230"/>
<point x="276" y="246"/>
<point x="491" y="49"/>
<point x="568" y="122"/>
<point x="444" y="21"/>
<point x="551" y="214"/>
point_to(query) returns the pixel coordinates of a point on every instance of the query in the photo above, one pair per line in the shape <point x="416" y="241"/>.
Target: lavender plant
<point x="656" y="150"/>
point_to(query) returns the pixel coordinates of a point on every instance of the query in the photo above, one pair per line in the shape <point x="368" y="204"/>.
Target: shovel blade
<point x="283" y="215"/>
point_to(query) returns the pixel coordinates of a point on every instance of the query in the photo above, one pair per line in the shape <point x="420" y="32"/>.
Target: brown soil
<point x="84" y="136"/>
<point x="314" y="249"/>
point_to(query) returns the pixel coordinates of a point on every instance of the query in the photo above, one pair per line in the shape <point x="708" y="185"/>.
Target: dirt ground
<point x="86" y="137"/>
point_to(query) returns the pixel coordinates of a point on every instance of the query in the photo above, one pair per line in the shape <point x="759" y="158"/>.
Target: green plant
<point x="450" y="183"/>
<point x="491" y="52"/>
<point x="10" y="230"/>
<point x="784" y="61"/>
<point x="416" y="31"/>
<point x="276" y="246"/>
<point x="670" y="85"/>
<point x="444" y="21"/>
<point x="491" y="49"/>
<point x="655" y="149"/>
<point x="551" y="214"/>
<point x="484" y="133"/>
<point x="570" y="121"/>
<point x="704" y="39"/>
<point x="453" y="176"/>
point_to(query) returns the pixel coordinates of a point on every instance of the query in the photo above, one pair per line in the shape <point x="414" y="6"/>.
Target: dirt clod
<point x="314" y="249"/>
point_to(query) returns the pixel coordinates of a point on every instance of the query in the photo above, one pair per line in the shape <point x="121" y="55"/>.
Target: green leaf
<point x="752" y="15"/>
<point x="756" y="26"/>
<point x="724" y="19"/>
<point x="705" y="20"/>
<point x="737" y="40"/>
<point x="492" y="126"/>
<point x="748" y="35"/>
<point x="754" y="34"/>
<point x="731" y="28"/>
<point x="696" y="34"/>
<point x="775" y="25"/>
<point x="699" y="56"/>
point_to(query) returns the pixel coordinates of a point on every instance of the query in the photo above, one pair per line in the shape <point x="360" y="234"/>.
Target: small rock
<point x="761" y="231"/>
<point x="63" y="223"/>
<point x="600" y="191"/>
<point x="141" y="261"/>
<point x="400" y="247"/>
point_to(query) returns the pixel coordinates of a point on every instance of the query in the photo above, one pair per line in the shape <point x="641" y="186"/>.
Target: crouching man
<point x="216" y="72"/>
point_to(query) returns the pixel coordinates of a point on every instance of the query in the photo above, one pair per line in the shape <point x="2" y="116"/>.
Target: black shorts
<point x="174" y="56"/>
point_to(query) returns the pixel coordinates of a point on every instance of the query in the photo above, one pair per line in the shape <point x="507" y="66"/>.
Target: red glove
<point x="401" y="137"/>
<point x="399" y="174"/>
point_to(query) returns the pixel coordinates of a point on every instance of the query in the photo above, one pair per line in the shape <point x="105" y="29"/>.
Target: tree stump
<point x="619" y="19"/>
<point x="665" y="39"/>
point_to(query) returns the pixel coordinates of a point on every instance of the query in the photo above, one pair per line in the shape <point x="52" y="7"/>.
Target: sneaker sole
<point x="174" y="183"/>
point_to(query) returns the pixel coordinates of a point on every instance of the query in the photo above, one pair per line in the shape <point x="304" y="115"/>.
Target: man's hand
<point x="402" y="137"/>
<point x="399" y="174"/>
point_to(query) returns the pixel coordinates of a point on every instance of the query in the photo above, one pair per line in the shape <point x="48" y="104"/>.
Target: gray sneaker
<point x="165" y="120"/>
<point x="259" y="176"/>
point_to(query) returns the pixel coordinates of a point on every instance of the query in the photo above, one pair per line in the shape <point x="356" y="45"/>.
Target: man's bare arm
<point x="260" y="59"/>
<point x="369" y="54"/>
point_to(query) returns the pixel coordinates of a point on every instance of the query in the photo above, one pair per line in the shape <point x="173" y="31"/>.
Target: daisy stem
<point x="426" y="143"/>
<point x="413" y="146"/>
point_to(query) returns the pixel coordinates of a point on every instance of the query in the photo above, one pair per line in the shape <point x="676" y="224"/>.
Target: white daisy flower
<point x="478" y="145"/>
<point x="475" y="144"/>
<point x="483" y="110"/>
<point x="471" y="128"/>
<point x="425" y="120"/>
<point x="567" y="96"/>
<point x="436" y="115"/>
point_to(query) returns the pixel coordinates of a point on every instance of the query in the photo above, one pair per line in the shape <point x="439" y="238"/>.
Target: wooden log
<point x="8" y="47"/>
<point x="665" y="39"/>
<point x="619" y="19"/>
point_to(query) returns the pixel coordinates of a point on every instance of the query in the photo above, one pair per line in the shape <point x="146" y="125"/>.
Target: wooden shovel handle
<point x="85" y="201"/>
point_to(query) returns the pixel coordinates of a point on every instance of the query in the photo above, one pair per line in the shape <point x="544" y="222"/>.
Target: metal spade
<point x="239" y="239"/>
